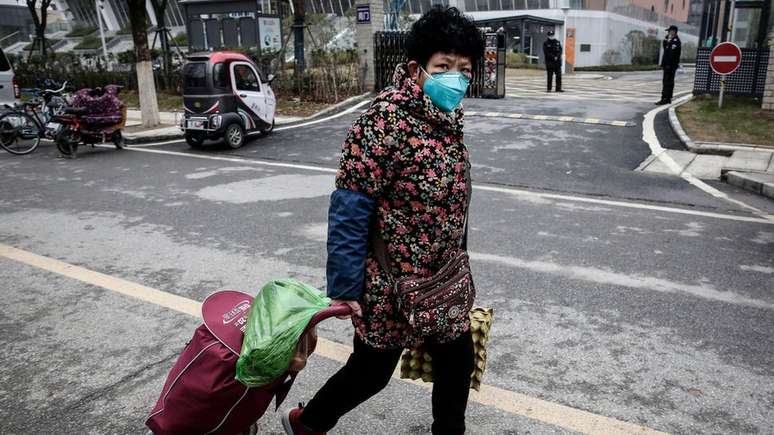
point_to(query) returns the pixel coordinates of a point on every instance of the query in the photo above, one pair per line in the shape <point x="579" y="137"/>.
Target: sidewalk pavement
<point x="751" y="170"/>
<point x="748" y="166"/>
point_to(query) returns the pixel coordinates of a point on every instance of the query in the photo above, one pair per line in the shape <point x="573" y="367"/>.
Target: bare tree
<point x="160" y="9"/>
<point x="146" y="87"/>
<point x="40" y="22"/>
<point x="299" y="24"/>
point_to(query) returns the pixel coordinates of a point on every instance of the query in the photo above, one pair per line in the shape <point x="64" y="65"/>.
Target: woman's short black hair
<point x="446" y="30"/>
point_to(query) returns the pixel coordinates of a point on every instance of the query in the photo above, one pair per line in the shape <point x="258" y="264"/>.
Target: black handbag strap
<point x="380" y="247"/>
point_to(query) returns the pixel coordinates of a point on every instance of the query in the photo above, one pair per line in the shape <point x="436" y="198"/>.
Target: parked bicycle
<point x="23" y="125"/>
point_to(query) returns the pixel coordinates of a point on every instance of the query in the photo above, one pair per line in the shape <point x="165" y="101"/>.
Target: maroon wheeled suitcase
<point x="201" y="394"/>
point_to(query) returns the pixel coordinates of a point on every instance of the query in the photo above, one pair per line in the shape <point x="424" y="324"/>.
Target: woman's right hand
<point x="356" y="311"/>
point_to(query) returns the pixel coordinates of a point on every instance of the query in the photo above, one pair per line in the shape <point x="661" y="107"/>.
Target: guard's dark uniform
<point x="552" y="51"/>
<point x="670" y="61"/>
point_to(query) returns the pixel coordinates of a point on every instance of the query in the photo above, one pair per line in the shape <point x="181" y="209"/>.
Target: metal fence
<point x="748" y="80"/>
<point x="390" y="50"/>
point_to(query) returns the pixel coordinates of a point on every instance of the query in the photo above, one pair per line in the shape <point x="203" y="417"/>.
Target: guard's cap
<point x="550" y="33"/>
<point x="672" y="27"/>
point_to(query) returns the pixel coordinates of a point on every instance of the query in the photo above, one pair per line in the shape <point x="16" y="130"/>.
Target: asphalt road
<point x="631" y="296"/>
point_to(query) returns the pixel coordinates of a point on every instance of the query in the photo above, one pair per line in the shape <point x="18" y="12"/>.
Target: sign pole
<point x="722" y="89"/>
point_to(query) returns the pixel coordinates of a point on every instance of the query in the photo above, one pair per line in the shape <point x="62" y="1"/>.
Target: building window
<point x="585" y="47"/>
<point x="672" y="9"/>
<point x="652" y="8"/>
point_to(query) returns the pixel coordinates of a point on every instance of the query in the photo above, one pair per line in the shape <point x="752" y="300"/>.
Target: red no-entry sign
<point x="725" y="58"/>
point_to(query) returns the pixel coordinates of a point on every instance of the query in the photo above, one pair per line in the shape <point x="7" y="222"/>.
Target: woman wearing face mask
<point x="403" y="179"/>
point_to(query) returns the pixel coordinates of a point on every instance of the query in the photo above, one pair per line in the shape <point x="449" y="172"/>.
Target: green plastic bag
<point x="277" y="318"/>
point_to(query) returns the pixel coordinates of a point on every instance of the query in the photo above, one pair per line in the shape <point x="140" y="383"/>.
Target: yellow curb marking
<point x="548" y="118"/>
<point x="505" y="400"/>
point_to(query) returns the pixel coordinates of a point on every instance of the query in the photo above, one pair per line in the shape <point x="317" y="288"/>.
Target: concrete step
<point x="750" y="161"/>
<point x="762" y="184"/>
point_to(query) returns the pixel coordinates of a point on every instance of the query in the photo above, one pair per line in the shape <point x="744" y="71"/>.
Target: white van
<point x="9" y="89"/>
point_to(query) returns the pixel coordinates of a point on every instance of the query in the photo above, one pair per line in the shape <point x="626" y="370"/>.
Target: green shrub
<point x="91" y="42"/>
<point x="518" y="60"/>
<point x="70" y="67"/>
<point x="49" y="42"/>
<point x="180" y="39"/>
<point x="81" y="31"/>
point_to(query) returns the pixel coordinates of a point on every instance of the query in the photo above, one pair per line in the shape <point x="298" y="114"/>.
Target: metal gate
<point x="390" y="50"/>
<point x="748" y="80"/>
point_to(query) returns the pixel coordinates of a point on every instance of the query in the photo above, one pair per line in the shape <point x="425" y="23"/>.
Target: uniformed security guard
<point x="670" y="61"/>
<point x="552" y="52"/>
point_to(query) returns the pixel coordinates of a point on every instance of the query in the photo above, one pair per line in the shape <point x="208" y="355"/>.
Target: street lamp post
<point x="99" y="6"/>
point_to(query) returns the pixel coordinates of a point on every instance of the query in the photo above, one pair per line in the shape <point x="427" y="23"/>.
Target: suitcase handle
<point x="327" y="313"/>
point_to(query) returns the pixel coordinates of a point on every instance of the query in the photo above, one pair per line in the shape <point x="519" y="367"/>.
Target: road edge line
<point x="533" y="408"/>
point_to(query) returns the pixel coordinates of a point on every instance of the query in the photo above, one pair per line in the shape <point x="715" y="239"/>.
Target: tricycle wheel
<point x="66" y="145"/>
<point x="235" y="135"/>
<point x="118" y="140"/>
<point x="194" y="140"/>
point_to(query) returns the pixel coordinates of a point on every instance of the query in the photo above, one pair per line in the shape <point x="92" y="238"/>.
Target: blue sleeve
<point x="349" y="219"/>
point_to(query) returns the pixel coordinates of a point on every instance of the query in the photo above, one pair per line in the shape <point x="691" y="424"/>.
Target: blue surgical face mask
<point x="446" y="90"/>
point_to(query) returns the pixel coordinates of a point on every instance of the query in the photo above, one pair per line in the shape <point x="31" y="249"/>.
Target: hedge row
<point x="330" y="76"/>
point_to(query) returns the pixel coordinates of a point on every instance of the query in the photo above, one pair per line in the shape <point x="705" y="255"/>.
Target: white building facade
<point x="114" y="13"/>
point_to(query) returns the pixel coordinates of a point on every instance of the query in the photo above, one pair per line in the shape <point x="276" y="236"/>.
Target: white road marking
<point x="478" y="186"/>
<point x="515" y="403"/>
<point x="327" y="118"/>
<point x="290" y="127"/>
<point x="635" y="205"/>
<point x="617" y="279"/>
<point x="235" y="160"/>
<point x="756" y="268"/>
<point x="649" y="136"/>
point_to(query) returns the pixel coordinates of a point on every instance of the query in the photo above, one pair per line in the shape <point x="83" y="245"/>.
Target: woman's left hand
<point x="356" y="310"/>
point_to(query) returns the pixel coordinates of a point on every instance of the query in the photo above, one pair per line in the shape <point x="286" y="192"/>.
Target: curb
<point x="751" y="182"/>
<point x="703" y="147"/>
<point x="678" y="129"/>
<point x="130" y="140"/>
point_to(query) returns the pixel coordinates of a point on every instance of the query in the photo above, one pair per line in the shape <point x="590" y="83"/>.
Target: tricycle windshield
<point x="195" y="75"/>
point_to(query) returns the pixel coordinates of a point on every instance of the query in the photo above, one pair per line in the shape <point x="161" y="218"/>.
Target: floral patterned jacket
<point x="408" y="157"/>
